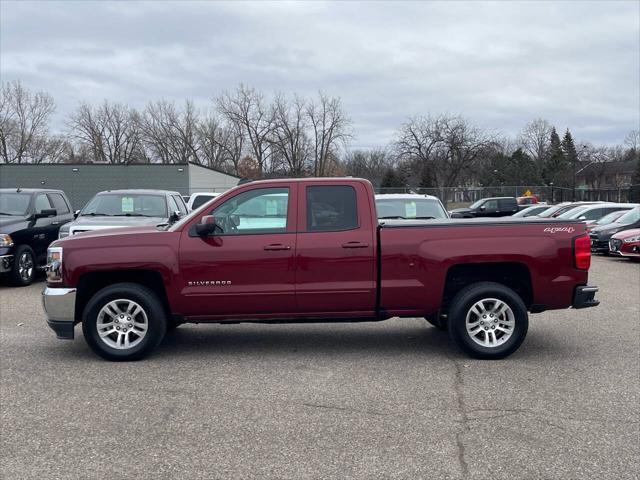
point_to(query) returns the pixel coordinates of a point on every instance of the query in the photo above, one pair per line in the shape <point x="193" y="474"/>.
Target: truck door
<point x="42" y="231"/>
<point x="247" y="267"/>
<point x="335" y="256"/>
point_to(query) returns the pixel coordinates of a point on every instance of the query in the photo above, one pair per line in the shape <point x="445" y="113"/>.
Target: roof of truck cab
<point x="309" y="180"/>
<point x="30" y="190"/>
<point x="141" y="191"/>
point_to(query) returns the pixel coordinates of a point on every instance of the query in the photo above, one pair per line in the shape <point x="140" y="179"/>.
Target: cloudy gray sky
<point x="500" y="64"/>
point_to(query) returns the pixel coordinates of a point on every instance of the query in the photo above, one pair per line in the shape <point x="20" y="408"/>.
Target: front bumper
<point x="59" y="304"/>
<point x="584" y="297"/>
<point x="6" y="263"/>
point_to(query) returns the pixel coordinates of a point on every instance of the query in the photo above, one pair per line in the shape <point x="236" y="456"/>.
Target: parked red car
<point x="530" y="200"/>
<point x="626" y="244"/>
<point x="312" y="249"/>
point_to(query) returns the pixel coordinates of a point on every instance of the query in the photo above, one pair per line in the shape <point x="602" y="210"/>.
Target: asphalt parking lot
<point x="376" y="400"/>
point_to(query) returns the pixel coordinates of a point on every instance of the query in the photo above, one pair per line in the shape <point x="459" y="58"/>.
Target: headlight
<point x="54" y="264"/>
<point x="632" y="239"/>
<point x="5" y="240"/>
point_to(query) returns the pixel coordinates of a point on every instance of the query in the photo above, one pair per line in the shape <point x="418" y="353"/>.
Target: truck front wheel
<point x="124" y="321"/>
<point x="488" y="320"/>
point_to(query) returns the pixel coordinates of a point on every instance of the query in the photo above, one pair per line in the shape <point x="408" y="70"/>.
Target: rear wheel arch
<point x="514" y="275"/>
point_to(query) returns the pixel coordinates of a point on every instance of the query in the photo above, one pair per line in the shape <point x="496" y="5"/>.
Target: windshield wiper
<point x="400" y="217"/>
<point x="131" y="215"/>
<point x="96" y="214"/>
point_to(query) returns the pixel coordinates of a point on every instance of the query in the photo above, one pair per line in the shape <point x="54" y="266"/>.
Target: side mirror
<point x="582" y="217"/>
<point x="207" y="226"/>
<point x="48" y="212"/>
<point x="175" y="216"/>
<point x="482" y="208"/>
<point x="457" y="215"/>
<point x="75" y="214"/>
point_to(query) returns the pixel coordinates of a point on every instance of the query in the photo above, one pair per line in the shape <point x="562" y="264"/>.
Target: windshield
<point x="14" y="203"/>
<point x="477" y="203"/>
<point x="629" y="217"/>
<point x="409" y="208"/>
<point x="610" y="218"/>
<point x="573" y="212"/>
<point x="126" y="205"/>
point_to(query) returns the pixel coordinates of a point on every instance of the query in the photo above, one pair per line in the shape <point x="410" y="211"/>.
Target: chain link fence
<point x="455" y="197"/>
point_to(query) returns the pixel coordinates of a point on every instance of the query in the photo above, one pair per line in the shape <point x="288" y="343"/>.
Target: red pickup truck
<point x="313" y="249"/>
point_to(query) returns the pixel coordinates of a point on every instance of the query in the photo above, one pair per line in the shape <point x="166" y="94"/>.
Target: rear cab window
<point x="331" y="208"/>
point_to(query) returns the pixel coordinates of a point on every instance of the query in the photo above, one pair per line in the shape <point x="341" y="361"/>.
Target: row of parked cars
<point x="30" y="219"/>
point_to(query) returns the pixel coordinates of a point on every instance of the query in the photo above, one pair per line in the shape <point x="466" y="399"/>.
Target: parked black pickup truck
<point x="29" y="221"/>
<point x="488" y="207"/>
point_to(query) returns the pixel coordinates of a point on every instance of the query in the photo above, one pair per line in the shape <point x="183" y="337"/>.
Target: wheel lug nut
<point x="496" y="320"/>
<point x="121" y="316"/>
<point x="129" y="326"/>
<point x="492" y="327"/>
<point x="486" y="328"/>
<point x="129" y="318"/>
<point x="117" y="328"/>
<point x="484" y="316"/>
<point x="491" y="315"/>
<point x="124" y="329"/>
<point x="117" y="321"/>
<point x="481" y="322"/>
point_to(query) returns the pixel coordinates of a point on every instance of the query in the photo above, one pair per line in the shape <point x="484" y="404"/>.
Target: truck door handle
<point x="55" y="223"/>
<point x="277" y="246"/>
<point x="355" y="245"/>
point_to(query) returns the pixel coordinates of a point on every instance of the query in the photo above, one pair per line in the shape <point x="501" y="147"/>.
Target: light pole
<point x="551" y="185"/>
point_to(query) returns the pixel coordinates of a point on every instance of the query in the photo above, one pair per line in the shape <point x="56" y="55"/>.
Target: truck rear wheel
<point x="125" y="321"/>
<point x="488" y="320"/>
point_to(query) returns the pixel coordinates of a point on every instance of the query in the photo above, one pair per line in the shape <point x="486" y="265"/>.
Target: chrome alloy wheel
<point x="122" y="324"/>
<point x="490" y="322"/>
<point x="25" y="266"/>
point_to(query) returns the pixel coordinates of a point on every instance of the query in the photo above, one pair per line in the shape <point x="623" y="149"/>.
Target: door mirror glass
<point x="207" y="225"/>
<point x="482" y="208"/>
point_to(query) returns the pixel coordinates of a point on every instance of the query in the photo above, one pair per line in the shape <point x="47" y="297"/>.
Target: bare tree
<point x="289" y="136"/>
<point x="170" y="135"/>
<point x="330" y="130"/>
<point x="369" y="164"/>
<point x="534" y="139"/>
<point x="247" y="112"/>
<point x="23" y="123"/>
<point x="448" y="147"/>
<point x="111" y="131"/>
<point x="219" y="144"/>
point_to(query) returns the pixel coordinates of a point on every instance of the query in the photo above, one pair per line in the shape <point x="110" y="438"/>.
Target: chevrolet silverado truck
<point x="309" y="250"/>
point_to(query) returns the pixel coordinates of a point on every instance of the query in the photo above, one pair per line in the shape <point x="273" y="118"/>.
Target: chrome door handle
<point x="277" y="246"/>
<point x="355" y="245"/>
<point x="55" y="223"/>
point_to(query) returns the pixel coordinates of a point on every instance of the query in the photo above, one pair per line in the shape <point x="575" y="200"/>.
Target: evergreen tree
<point x="391" y="180"/>
<point x="636" y="174"/>
<point x="556" y="168"/>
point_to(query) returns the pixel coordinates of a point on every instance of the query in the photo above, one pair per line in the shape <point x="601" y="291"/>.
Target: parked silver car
<point x="126" y="208"/>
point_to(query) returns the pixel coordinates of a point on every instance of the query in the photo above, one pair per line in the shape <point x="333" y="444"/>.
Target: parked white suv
<point x="196" y="200"/>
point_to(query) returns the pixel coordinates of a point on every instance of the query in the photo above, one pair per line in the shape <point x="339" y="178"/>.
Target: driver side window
<point x="42" y="203"/>
<point x="262" y="210"/>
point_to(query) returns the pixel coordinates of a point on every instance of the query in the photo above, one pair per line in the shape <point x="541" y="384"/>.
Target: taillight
<point x="582" y="252"/>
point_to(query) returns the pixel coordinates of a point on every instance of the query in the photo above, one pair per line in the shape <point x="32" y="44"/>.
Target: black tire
<point x="438" y="322"/>
<point x="18" y="277"/>
<point x="152" y="308"/>
<point x="461" y="305"/>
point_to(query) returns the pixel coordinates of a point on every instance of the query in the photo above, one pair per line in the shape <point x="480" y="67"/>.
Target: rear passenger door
<point x="335" y="256"/>
<point x="507" y="206"/>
